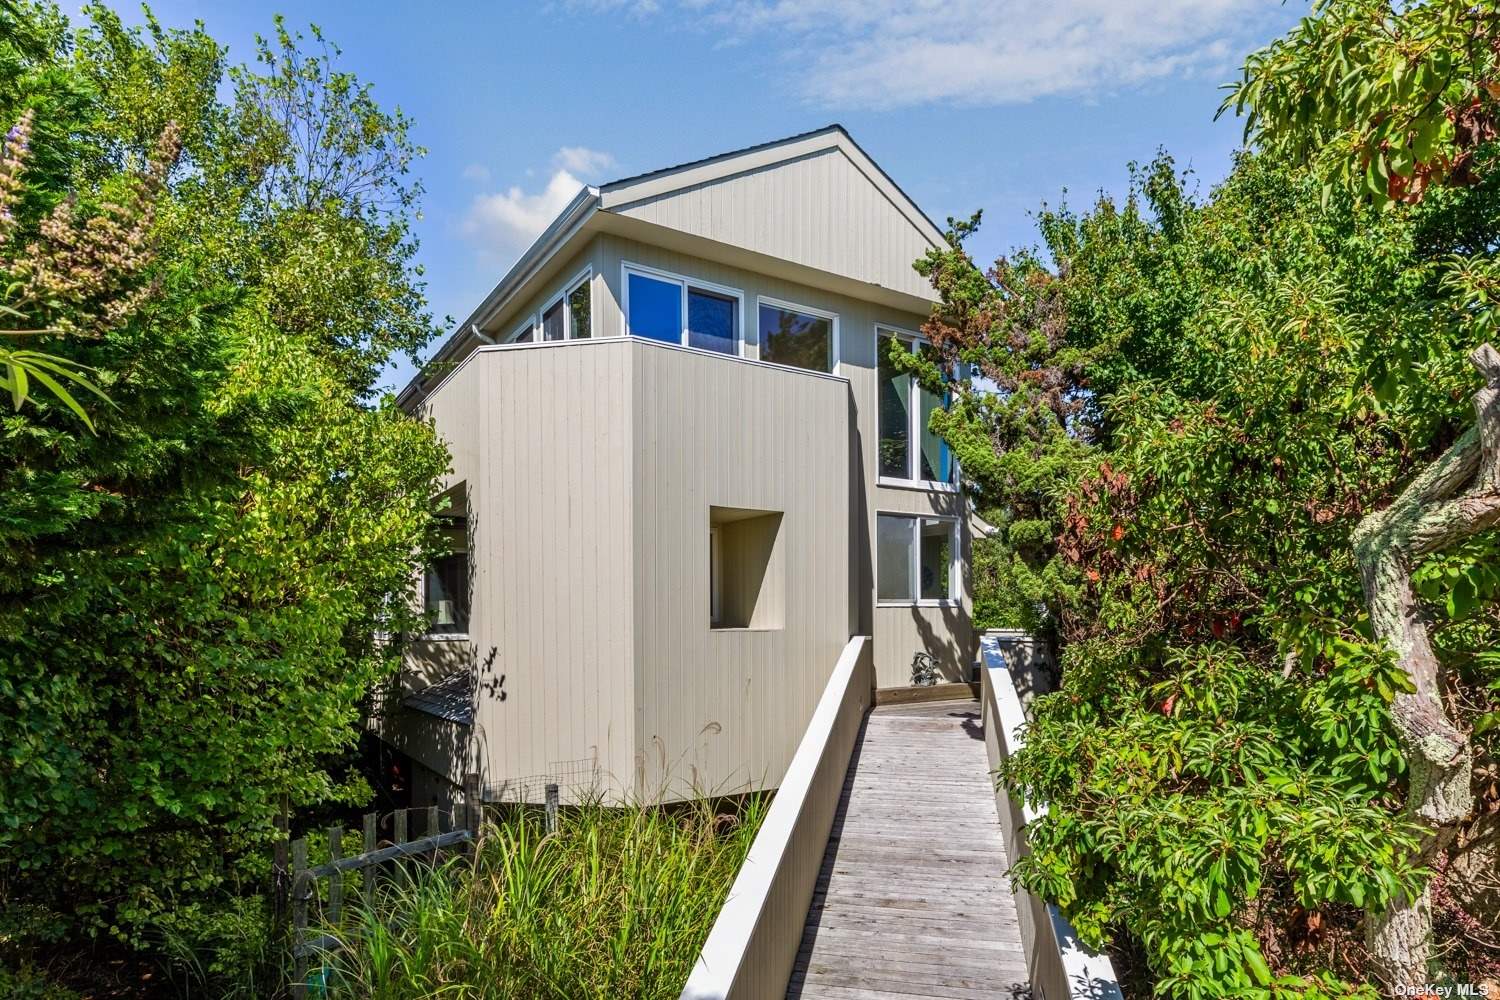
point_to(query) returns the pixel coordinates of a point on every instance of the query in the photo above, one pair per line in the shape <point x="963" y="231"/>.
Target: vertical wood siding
<point x="819" y="210"/>
<point x="721" y="710"/>
<point x="542" y="437"/>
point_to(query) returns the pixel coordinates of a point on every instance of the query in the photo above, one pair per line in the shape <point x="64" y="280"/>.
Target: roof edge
<point x="717" y="157"/>
<point x="574" y="215"/>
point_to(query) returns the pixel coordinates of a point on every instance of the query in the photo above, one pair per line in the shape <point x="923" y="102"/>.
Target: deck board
<point x="913" y="899"/>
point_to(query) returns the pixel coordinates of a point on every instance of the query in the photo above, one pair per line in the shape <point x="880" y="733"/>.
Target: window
<point x="678" y="310"/>
<point x="711" y="321"/>
<point x="570" y="315"/>
<point x="746" y="578"/>
<point x="654" y="308"/>
<point x="445" y="595"/>
<point x="580" y="310"/>
<point x="916" y="559"/>
<point x="905" y="411"/>
<point x="797" y="336"/>
<point x="525" y="333"/>
<point x="552" y="321"/>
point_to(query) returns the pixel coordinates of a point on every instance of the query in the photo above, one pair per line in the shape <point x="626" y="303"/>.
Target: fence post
<point x="368" y="889"/>
<point x="399" y="819"/>
<point x="335" y="881"/>
<point x="301" y="893"/>
<point x="471" y="799"/>
<point x="432" y="821"/>
<point x="551" y="807"/>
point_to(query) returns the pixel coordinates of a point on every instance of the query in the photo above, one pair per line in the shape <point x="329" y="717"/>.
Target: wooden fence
<point x="297" y="882"/>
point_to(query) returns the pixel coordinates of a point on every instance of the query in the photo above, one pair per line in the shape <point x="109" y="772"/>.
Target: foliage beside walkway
<point x="1202" y="398"/>
<point x="615" y="903"/>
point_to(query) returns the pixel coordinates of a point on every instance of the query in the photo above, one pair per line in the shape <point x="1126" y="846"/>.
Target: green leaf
<point x="1259" y="970"/>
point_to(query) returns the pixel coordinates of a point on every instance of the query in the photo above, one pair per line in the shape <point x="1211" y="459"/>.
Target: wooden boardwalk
<point x="913" y="899"/>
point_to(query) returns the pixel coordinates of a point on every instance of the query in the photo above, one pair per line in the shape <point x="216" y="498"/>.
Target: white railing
<point x="1059" y="966"/>
<point x="753" y="945"/>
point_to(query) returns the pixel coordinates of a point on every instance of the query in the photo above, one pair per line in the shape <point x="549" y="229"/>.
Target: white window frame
<point x="561" y="295"/>
<point x="954" y="568"/>
<point x="685" y="284"/>
<point x="521" y="331"/>
<point x="766" y="300"/>
<point x="914" y="424"/>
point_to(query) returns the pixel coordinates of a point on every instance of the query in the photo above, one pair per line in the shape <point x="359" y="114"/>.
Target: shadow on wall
<point x="438" y="725"/>
<point x="954" y="659"/>
<point x="862" y="579"/>
<point x="1032" y="668"/>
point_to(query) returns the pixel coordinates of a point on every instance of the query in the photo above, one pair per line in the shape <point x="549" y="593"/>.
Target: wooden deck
<point x="913" y="899"/>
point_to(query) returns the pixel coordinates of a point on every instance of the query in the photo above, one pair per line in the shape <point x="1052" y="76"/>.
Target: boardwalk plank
<point x="913" y="897"/>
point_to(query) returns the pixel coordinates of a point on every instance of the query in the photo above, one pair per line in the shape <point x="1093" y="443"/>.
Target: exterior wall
<point x="820" y="210"/>
<point x="898" y="631"/>
<point x="721" y="710"/>
<point x="541" y="435"/>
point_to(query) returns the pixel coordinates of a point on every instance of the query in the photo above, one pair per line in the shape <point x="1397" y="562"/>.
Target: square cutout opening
<point x="747" y="581"/>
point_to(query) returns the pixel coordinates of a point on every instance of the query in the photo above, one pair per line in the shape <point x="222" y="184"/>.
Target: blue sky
<point x="997" y="105"/>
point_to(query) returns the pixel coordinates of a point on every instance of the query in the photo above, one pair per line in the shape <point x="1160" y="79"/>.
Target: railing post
<point x="551" y="807"/>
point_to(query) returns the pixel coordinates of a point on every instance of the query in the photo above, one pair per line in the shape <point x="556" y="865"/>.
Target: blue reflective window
<point x="711" y="321"/>
<point x="655" y="308"/>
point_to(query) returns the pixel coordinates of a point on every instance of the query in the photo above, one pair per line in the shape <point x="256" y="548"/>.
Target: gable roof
<point x="656" y="183"/>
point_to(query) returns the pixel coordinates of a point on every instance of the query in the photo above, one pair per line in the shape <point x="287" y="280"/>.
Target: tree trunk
<point x="1455" y="497"/>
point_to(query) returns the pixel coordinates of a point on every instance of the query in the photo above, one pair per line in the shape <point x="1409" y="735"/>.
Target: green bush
<point x="191" y="593"/>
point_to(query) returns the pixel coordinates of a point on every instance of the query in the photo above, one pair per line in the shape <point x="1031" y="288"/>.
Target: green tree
<point x="1198" y="403"/>
<point x="1391" y="102"/>
<point x="190" y="599"/>
<point x="1382" y="99"/>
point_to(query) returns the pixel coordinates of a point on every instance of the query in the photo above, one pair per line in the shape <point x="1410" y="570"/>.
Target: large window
<point x="916" y="559"/>
<point x="445" y="595"/>
<point x="797" y="336"/>
<point x="909" y="450"/>
<point x="678" y="310"/>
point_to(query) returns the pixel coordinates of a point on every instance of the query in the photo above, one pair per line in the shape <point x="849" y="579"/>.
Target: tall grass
<point x="616" y="903"/>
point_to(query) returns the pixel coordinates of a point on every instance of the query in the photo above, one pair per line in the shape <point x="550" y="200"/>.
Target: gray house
<point x="682" y="479"/>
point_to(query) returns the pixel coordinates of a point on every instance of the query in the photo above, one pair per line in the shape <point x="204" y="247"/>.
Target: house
<point x="683" y="477"/>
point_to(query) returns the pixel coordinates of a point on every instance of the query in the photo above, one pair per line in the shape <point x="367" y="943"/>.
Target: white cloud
<point x="893" y="53"/>
<point x="504" y="223"/>
<point x="584" y="161"/>
<point x="507" y="222"/>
